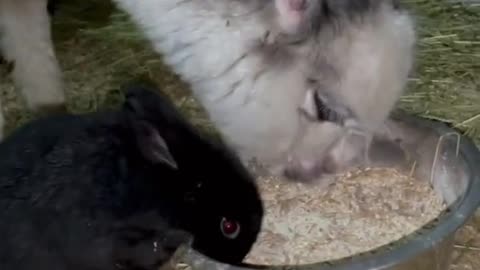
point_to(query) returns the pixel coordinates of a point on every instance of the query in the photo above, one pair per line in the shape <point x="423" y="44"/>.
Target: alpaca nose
<point x="304" y="170"/>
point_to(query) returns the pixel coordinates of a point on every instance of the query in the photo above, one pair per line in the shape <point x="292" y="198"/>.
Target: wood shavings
<point x="362" y="211"/>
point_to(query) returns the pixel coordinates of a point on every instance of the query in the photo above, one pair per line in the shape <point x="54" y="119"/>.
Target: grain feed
<point x="363" y="210"/>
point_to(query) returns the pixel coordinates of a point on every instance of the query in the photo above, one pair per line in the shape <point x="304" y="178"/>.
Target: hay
<point x="467" y="247"/>
<point x="445" y="85"/>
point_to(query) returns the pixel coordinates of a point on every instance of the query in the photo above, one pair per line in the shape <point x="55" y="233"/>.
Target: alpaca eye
<point x="312" y="81"/>
<point x="229" y="228"/>
<point x="326" y="113"/>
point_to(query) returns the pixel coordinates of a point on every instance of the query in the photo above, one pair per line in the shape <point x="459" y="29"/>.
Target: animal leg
<point x="26" y="41"/>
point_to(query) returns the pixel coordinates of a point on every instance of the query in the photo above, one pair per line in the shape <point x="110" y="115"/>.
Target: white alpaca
<point x="251" y="64"/>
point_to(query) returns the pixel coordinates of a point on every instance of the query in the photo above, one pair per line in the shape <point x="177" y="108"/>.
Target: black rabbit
<point x="121" y="190"/>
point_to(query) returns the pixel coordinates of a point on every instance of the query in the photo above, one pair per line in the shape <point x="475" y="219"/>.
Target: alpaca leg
<point x="26" y="41"/>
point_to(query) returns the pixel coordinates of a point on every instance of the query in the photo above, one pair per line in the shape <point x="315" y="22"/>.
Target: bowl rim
<point x="452" y="221"/>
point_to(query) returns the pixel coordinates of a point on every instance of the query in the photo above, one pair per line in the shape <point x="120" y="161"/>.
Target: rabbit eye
<point x="229" y="228"/>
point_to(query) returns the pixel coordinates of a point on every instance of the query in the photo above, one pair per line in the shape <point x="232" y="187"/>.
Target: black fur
<point x="94" y="191"/>
<point x="52" y="6"/>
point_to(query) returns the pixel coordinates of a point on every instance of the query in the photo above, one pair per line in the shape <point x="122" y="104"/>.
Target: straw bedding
<point x="363" y="210"/>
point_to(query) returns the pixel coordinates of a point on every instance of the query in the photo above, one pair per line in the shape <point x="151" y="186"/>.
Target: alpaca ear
<point x="151" y="144"/>
<point x="291" y="14"/>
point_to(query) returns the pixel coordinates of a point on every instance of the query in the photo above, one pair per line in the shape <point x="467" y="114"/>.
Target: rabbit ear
<point x="147" y="136"/>
<point x="152" y="145"/>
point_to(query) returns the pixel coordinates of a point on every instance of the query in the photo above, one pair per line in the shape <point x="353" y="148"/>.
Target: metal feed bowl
<point x="438" y="154"/>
